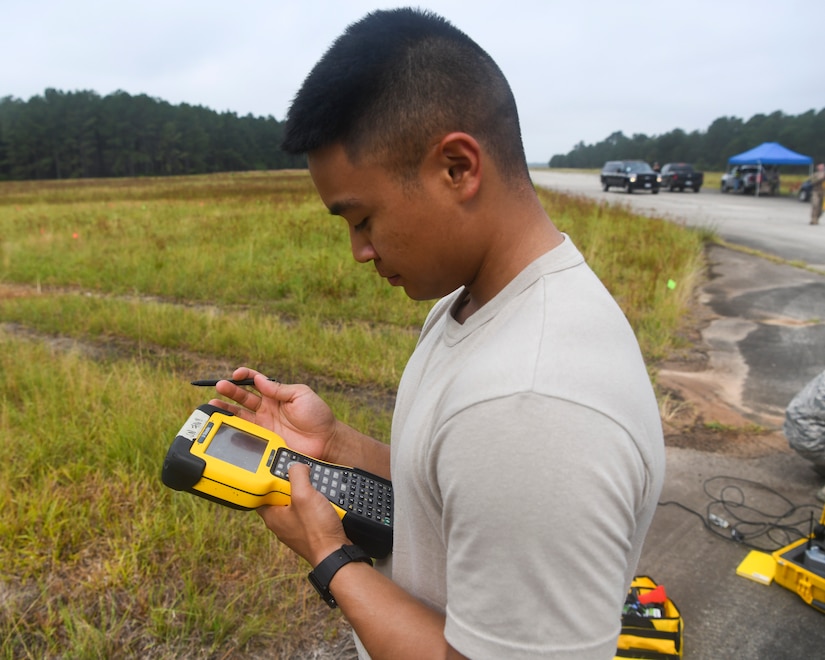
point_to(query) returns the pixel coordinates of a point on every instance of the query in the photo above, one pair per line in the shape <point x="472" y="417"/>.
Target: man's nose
<point x="362" y="249"/>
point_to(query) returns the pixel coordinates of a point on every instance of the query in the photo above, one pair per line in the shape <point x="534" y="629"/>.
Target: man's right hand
<point x="294" y="412"/>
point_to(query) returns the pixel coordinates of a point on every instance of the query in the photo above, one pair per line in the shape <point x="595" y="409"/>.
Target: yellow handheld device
<point x="228" y="460"/>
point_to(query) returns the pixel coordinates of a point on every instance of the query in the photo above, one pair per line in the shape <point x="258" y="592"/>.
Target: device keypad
<point x="350" y="489"/>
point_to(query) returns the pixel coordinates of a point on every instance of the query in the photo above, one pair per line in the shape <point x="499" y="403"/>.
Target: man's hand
<point x="294" y="412"/>
<point x="309" y="525"/>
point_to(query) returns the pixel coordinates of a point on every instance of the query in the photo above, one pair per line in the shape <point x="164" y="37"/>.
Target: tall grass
<point x="260" y="240"/>
<point x="113" y="295"/>
<point x="353" y="352"/>
<point x="98" y="558"/>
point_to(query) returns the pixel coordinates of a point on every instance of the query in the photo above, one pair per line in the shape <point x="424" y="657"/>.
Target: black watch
<point x="321" y="576"/>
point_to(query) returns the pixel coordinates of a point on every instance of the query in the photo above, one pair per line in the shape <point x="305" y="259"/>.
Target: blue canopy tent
<point x="771" y="153"/>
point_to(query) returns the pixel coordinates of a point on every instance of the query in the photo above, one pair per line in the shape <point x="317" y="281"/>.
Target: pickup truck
<point x="678" y="176"/>
<point x="751" y="179"/>
<point x="740" y="179"/>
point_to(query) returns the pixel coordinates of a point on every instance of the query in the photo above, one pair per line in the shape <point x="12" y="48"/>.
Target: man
<point x="816" y="193"/>
<point x="526" y="451"/>
<point x="804" y="425"/>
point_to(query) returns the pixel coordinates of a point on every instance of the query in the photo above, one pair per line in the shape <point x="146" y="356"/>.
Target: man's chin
<point x="421" y="296"/>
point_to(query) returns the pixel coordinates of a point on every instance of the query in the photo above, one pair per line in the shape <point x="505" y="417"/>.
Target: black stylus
<point x="212" y="383"/>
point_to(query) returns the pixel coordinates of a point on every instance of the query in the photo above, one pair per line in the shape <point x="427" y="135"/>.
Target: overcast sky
<point x="579" y="69"/>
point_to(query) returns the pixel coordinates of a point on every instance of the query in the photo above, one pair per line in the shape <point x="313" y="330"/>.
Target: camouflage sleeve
<point x="804" y="425"/>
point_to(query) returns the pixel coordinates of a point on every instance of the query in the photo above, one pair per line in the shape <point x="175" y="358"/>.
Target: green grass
<point x="273" y="246"/>
<point x="287" y="347"/>
<point x="98" y="558"/>
<point x="113" y="295"/>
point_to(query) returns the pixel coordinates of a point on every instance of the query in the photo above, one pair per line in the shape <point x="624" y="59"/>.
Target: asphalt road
<point x="765" y="340"/>
<point x="778" y="226"/>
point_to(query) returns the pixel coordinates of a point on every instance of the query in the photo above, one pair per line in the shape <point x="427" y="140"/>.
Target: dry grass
<point x="113" y="295"/>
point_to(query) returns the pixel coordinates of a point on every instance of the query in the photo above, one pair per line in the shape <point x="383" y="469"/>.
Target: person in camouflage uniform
<point x="804" y="425"/>
<point x="816" y="193"/>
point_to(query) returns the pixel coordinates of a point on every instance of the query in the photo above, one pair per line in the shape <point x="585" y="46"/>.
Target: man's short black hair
<point x="394" y="81"/>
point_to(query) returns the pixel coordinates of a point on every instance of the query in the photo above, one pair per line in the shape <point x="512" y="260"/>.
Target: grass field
<point x="113" y="296"/>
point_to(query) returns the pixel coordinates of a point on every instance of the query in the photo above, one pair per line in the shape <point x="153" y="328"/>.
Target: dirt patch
<point x="696" y="412"/>
<point x="17" y="291"/>
<point x="696" y="421"/>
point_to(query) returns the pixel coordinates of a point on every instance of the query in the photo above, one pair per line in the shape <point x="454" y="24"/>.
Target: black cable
<point x="730" y="518"/>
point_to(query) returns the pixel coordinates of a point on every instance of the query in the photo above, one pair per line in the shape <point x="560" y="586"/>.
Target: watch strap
<point x="322" y="574"/>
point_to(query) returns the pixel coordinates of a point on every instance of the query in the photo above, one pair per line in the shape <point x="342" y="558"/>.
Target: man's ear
<point x="460" y="160"/>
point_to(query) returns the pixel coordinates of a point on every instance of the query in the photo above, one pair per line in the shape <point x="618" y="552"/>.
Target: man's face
<point x="408" y="232"/>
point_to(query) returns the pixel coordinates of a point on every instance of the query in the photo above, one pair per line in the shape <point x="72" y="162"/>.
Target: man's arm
<point x="389" y="621"/>
<point x="350" y="447"/>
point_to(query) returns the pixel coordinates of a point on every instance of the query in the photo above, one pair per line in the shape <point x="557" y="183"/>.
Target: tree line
<point x="710" y="149"/>
<point x="62" y="135"/>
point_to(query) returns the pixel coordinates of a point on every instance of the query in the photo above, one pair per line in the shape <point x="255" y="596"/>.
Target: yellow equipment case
<point x="800" y="566"/>
<point x="651" y="623"/>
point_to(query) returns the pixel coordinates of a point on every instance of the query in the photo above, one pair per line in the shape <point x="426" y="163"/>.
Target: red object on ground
<point x="657" y="595"/>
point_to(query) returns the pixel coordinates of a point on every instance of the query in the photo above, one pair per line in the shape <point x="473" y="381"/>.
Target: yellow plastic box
<point x="802" y="570"/>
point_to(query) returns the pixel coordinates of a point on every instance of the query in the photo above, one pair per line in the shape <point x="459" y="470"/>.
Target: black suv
<point x="630" y="175"/>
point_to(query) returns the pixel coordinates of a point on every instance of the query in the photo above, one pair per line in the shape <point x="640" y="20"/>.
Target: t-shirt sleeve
<point x="540" y="499"/>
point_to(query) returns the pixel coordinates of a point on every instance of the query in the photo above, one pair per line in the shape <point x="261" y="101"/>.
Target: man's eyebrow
<point x="339" y="208"/>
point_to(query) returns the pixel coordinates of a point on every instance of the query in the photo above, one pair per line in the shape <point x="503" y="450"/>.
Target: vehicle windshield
<point x="638" y="166"/>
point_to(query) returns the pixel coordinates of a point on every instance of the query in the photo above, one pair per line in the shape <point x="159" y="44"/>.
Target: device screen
<point x="236" y="447"/>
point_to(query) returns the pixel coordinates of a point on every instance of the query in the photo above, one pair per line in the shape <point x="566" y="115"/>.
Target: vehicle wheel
<point x="655" y="191"/>
<point x="671" y="188"/>
<point x="696" y="189"/>
<point x="605" y="187"/>
<point x="628" y="188"/>
<point x="724" y="188"/>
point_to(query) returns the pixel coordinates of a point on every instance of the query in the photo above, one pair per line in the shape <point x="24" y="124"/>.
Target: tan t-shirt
<point x="527" y="460"/>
